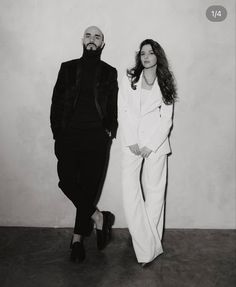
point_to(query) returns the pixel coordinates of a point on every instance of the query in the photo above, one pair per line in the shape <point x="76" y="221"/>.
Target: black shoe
<point x="104" y="235"/>
<point x="77" y="251"/>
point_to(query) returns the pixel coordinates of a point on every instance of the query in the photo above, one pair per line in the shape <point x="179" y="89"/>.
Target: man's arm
<point x="57" y="103"/>
<point x="112" y="104"/>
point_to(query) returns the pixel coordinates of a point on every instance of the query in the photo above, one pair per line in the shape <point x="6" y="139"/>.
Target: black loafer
<point x="77" y="252"/>
<point x="104" y="235"/>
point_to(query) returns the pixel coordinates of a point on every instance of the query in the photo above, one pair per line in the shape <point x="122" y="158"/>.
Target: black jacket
<point x="66" y="93"/>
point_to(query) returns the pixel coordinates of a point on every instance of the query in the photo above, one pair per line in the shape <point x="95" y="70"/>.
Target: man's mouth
<point x="91" y="45"/>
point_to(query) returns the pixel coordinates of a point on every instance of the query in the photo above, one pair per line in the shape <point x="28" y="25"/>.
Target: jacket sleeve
<point x="127" y="120"/>
<point x="112" y="104"/>
<point x="161" y="133"/>
<point x="57" y="103"/>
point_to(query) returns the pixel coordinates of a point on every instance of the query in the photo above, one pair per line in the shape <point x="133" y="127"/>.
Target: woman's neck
<point x="149" y="77"/>
<point x="150" y="72"/>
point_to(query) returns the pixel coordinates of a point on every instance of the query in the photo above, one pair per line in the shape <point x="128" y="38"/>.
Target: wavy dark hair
<point x="165" y="77"/>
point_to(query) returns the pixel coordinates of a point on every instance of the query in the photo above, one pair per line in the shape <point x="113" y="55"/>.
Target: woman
<point x="146" y="101"/>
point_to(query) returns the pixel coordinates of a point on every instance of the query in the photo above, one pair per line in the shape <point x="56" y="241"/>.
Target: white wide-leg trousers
<point x="144" y="217"/>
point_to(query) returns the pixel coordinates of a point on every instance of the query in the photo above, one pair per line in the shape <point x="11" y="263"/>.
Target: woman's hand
<point x="145" y="152"/>
<point x="134" y="149"/>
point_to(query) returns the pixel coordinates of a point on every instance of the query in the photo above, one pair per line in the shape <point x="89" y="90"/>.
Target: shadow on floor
<point x="39" y="257"/>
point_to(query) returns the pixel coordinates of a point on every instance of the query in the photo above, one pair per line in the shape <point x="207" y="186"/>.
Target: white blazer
<point x="145" y="122"/>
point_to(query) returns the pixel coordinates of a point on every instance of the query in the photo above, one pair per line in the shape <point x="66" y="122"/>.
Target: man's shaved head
<point x="93" y="38"/>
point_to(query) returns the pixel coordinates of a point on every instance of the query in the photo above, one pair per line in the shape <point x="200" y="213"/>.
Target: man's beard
<point x="89" y="52"/>
<point x="90" y="46"/>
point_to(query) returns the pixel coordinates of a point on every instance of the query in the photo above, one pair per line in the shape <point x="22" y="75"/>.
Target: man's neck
<point x="93" y="56"/>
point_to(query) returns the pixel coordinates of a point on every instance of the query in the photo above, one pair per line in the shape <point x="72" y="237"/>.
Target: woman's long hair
<point x="165" y="77"/>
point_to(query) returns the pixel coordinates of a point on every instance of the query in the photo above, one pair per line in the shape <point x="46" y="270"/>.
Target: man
<point x="84" y="122"/>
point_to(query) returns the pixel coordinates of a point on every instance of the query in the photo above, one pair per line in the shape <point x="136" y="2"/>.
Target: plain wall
<point x="36" y="36"/>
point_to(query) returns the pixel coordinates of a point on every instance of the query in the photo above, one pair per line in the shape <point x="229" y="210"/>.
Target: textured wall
<point x="36" y="36"/>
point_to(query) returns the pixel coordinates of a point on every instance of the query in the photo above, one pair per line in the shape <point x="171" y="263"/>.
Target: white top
<point x="144" y="95"/>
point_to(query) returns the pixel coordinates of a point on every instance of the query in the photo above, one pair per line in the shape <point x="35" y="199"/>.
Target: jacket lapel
<point x="153" y="98"/>
<point x="96" y="84"/>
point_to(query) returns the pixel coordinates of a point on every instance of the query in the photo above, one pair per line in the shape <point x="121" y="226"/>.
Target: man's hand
<point x="134" y="149"/>
<point x="145" y="152"/>
<point x="108" y="132"/>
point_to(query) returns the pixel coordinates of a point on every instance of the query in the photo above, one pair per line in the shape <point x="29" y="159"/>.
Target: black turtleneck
<point x="86" y="114"/>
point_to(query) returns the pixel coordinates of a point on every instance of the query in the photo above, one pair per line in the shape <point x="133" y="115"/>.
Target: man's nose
<point x="92" y="39"/>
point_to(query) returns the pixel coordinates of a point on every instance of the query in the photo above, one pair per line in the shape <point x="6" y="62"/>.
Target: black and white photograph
<point x="118" y="137"/>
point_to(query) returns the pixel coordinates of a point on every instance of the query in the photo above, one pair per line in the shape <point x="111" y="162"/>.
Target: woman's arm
<point x="127" y="121"/>
<point x="161" y="133"/>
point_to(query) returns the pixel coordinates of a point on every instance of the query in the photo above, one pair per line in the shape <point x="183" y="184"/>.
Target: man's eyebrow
<point x="89" y="34"/>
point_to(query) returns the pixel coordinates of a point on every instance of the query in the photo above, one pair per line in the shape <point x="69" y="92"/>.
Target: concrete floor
<point x="39" y="257"/>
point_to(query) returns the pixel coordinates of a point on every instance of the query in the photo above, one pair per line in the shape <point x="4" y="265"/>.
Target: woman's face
<point x="147" y="56"/>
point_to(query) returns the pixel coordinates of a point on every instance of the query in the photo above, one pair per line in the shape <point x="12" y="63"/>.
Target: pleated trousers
<point x="143" y="185"/>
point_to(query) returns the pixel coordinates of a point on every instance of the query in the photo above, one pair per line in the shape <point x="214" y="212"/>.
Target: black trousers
<point x="82" y="164"/>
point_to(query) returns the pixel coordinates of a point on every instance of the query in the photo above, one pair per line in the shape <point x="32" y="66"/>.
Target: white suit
<point x="144" y="119"/>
